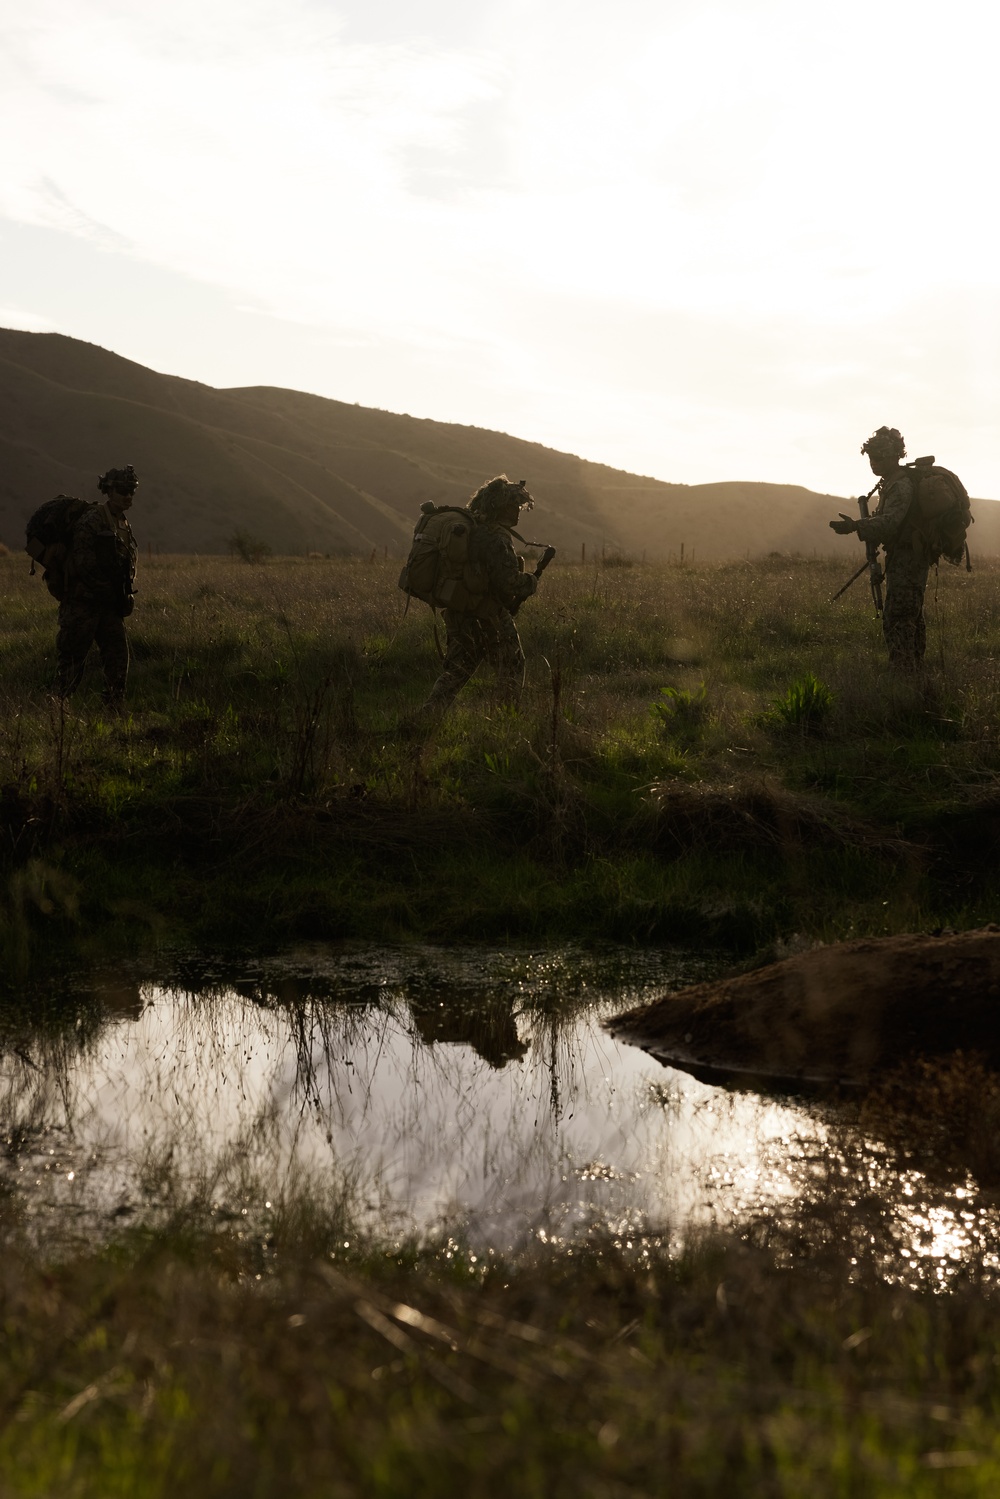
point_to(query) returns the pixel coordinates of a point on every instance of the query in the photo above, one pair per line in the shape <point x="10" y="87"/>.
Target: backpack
<point x="941" y="510"/>
<point x="49" y="536"/>
<point x="438" y="570"/>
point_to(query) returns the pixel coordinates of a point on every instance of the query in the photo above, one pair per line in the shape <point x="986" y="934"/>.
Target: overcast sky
<point x="692" y="238"/>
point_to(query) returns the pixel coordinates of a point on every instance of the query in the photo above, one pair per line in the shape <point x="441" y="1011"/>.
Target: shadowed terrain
<point x="309" y="474"/>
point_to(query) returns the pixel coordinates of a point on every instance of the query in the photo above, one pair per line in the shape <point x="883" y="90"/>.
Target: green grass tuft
<point x="805" y="705"/>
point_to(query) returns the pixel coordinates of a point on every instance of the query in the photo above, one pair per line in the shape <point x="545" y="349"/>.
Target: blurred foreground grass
<point x="289" y="1355"/>
<point x="714" y="754"/>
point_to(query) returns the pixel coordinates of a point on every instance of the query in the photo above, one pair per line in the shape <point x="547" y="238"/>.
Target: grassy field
<point x="709" y="754"/>
<point x="713" y="754"/>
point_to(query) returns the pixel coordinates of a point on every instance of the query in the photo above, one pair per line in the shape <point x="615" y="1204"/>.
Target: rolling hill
<point x="309" y="474"/>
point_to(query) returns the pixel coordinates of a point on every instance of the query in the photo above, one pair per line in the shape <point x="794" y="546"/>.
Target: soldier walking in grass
<point x="909" y="552"/>
<point x="463" y="560"/>
<point x="89" y="555"/>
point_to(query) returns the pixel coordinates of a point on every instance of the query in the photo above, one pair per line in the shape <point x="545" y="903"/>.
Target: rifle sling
<point x="518" y="537"/>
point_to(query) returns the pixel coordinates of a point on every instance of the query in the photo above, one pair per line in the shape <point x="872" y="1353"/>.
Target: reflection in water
<point x="456" y="1093"/>
<point x="488" y="1026"/>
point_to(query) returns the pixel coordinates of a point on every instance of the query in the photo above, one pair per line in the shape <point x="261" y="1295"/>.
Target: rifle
<point x="875" y="573"/>
<point x="125" y="599"/>
<point x="871" y="564"/>
<point x="540" y="565"/>
<point x="544" y="561"/>
<point x="852" y="579"/>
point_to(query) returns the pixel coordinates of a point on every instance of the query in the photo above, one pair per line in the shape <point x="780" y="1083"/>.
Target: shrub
<point x="251" y="548"/>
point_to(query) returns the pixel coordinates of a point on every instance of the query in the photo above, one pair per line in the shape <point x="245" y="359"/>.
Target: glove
<point x="844" y="526"/>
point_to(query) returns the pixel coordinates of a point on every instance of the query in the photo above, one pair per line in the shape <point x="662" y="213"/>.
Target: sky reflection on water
<point x="490" y="1103"/>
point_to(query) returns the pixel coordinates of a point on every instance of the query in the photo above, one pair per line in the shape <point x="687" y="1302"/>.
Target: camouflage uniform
<point x="906" y="565"/>
<point x="100" y="571"/>
<point x="489" y="633"/>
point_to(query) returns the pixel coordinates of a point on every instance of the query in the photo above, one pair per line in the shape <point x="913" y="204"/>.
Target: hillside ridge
<point x="307" y="473"/>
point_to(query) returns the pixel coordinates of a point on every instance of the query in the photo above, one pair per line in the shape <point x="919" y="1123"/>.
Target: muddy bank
<point x="839" y="1014"/>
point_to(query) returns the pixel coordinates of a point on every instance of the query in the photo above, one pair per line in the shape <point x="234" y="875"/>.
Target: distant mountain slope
<point x="310" y="474"/>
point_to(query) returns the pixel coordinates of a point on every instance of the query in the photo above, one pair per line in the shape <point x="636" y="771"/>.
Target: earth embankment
<point x="842" y="1013"/>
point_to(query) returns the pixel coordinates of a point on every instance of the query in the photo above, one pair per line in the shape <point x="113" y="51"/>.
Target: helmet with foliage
<point x="118" y="480"/>
<point x="500" y="500"/>
<point x="887" y="442"/>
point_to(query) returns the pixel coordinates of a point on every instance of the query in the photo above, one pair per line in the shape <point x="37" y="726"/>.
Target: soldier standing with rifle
<point x="907" y="558"/>
<point x="99" y="572"/>
<point x="486" y="631"/>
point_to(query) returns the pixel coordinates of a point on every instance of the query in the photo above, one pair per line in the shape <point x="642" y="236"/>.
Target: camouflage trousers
<point x="82" y="623"/>
<point x="903" y="617"/>
<point x="471" y="641"/>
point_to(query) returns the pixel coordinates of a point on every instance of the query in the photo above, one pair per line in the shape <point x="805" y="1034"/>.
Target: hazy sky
<point x="692" y="238"/>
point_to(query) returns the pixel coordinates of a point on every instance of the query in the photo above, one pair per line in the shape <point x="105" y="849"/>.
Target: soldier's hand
<point x="845" y="525"/>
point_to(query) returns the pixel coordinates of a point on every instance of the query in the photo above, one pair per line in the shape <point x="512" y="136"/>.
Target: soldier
<point x="907" y="556"/>
<point x="488" y="632"/>
<point x="489" y="1027"/>
<point x="100" y="571"/>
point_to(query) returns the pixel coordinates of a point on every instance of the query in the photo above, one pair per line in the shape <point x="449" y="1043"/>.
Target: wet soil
<point x="840" y="1014"/>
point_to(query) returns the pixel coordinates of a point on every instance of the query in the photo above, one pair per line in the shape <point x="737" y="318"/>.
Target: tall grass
<point x="263" y="734"/>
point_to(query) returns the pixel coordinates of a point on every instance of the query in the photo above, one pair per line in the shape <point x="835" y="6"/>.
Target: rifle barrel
<point x="852" y="579"/>
<point x="871" y="551"/>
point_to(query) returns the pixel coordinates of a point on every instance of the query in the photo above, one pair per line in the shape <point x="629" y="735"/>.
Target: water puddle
<point x="451" y="1093"/>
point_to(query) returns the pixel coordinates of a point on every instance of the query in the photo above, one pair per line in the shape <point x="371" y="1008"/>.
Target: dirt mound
<point x="737" y="817"/>
<point x="841" y="1013"/>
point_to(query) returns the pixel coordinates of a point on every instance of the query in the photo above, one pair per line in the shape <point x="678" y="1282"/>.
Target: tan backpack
<point x="438" y="570"/>
<point x="49" y="537"/>
<point x="941" y="511"/>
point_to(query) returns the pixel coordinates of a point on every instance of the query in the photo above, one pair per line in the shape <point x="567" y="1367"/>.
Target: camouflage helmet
<point x="887" y="442"/>
<point x="499" y="494"/>
<point x="121" y="480"/>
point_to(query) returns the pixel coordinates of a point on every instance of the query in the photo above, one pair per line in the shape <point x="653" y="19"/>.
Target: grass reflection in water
<point x="454" y="1094"/>
<point x="412" y="1224"/>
